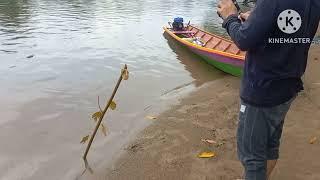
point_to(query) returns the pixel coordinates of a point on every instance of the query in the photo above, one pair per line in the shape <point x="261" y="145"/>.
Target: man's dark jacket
<point x="273" y="71"/>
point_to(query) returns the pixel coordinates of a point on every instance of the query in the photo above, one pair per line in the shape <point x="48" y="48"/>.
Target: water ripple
<point x="78" y="48"/>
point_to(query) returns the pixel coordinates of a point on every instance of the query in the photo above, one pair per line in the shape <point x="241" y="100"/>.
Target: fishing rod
<point x="235" y="4"/>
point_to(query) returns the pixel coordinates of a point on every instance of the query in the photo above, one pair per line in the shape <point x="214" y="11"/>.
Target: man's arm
<point x="255" y="29"/>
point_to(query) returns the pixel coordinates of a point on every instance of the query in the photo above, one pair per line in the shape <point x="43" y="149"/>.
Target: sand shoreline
<point x="168" y="148"/>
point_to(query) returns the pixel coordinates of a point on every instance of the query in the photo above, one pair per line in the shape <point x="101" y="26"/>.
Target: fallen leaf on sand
<point x="220" y="144"/>
<point x="84" y="139"/>
<point x="313" y="140"/>
<point x="209" y="141"/>
<point x="206" y="155"/>
<point x="151" y="117"/>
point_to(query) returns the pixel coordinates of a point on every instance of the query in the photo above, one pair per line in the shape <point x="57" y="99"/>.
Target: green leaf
<point x="84" y="139"/>
<point x="125" y="74"/>
<point x="113" y="105"/>
<point x="95" y="116"/>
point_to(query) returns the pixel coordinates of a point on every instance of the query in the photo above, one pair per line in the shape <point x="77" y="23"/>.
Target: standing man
<point x="276" y="35"/>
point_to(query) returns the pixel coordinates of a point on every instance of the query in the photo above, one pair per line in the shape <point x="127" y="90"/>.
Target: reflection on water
<point x="56" y="57"/>
<point x="199" y="69"/>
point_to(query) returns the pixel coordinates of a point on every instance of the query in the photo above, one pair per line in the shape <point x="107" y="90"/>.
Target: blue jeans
<point x="258" y="137"/>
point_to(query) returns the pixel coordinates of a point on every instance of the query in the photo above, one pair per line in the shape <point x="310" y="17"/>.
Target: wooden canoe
<point x="215" y="50"/>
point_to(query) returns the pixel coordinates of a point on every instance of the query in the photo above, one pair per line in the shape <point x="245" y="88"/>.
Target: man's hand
<point x="226" y="8"/>
<point x="244" y="16"/>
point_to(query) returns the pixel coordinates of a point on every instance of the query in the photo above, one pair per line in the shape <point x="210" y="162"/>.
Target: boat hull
<point x="225" y="64"/>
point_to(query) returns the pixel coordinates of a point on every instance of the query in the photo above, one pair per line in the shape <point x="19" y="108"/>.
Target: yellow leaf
<point x="95" y="116"/>
<point x="125" y="74"/>
<point x="84" y="139"/>
<point x="206" y="155"/>
<point x="313" y="140"/>
<point x="113" y="105"/>
<point x="103" y="129"/>
<point x="151" y="117"/>
<point x="209" y="141"/>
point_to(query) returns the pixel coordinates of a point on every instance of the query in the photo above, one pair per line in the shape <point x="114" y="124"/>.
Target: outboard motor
<point x="177" y="24"/>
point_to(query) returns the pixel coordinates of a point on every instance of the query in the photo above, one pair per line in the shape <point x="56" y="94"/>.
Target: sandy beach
<point x="168" y="148"/>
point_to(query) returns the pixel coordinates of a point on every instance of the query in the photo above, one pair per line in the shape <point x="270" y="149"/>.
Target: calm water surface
<point x="58" y="56"/>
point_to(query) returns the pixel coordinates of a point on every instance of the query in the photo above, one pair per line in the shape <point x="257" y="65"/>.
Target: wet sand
<point x="168" y="148"/>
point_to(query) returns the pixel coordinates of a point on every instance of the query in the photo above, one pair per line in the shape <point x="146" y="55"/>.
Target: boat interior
<point x="209" y="40"/>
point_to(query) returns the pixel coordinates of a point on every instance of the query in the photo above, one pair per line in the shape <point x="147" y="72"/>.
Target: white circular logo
<point x="289" y="21"/>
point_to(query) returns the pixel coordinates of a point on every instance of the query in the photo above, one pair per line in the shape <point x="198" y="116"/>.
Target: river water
<point x="58" y="56"/>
